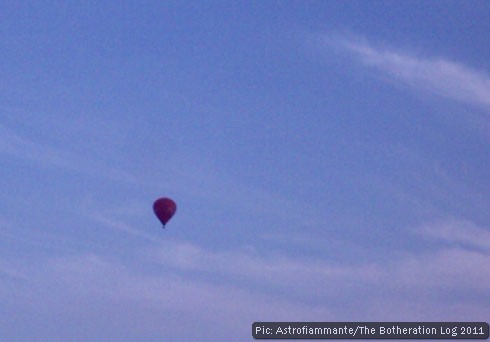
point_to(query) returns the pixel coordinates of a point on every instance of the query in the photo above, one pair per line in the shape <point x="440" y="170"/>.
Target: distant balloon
<point x="164" y="209"/>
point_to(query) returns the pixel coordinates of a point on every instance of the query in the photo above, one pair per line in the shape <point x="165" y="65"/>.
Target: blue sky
<point x="329" y="160"/>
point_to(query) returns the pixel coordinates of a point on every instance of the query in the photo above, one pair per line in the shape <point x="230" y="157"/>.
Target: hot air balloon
<point x="164" y="209"/>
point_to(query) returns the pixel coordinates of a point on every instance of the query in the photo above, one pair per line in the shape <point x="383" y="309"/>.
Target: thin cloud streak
<point x="122" y="227"/>
<point x="280" y="271"/>
<point x="444" y="270"/>
<point x="179" y="278"/>
<point x="443" y="77"/>
<point x="458" y="266"/>
<point x="175" y="279"/>
<point x="78" y="282"/>
<point x="15" y="145"/>
<point x="460" y="232"/>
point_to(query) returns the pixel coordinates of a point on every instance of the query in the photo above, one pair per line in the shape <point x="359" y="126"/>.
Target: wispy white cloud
<point x="100" y="286"/>
<point x="455" y="267"/>
<point x="247" y="266"/>
<point x="236" y="286"/>
<point x="16" y="236"/>
<point x="121" y="226"/>
<point x="41" y="153"/>
<point x="446" y="270"/>
<point x="174" y="278"/>
<point x="438" y="75"/>
<point x="458" y="232"/>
